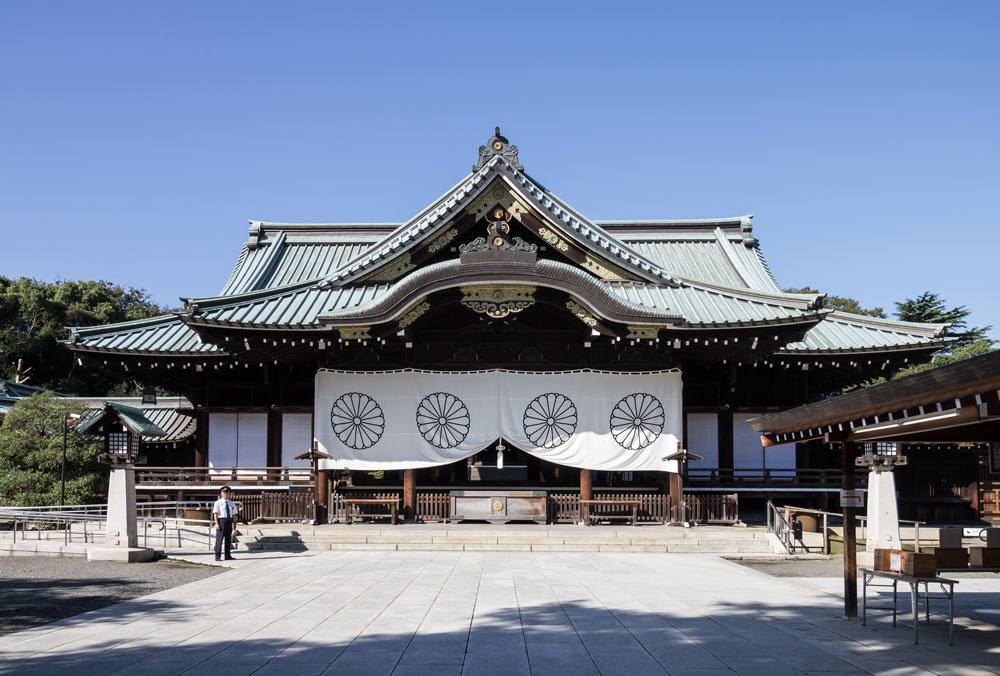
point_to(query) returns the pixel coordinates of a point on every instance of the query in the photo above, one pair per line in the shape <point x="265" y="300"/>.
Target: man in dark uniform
<point x="224" y="511"/>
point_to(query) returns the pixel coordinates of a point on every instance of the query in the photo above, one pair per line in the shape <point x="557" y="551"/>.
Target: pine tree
<point x="929" y="308"/>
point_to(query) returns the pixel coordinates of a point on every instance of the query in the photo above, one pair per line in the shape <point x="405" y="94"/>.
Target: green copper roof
<point x="133" y="418"/>
<point x="845" y="332"/>
<point x="165" y="334"/>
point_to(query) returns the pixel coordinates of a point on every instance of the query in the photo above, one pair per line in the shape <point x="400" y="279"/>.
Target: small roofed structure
<point x="959" y="402"/>
<point x="122" y="427"/>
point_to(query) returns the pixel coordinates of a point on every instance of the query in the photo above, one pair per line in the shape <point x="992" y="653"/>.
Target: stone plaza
<point x="513" y="613"/>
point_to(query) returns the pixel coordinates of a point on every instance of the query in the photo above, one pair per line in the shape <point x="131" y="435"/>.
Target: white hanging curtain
<point x="412" y="419"/>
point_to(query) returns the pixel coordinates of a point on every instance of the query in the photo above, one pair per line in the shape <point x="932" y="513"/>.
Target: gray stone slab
<point x="355" y="663"/>
<point x="760" y="666"/>
<point x="558" y="653"/>
<point x="630" y="664"/>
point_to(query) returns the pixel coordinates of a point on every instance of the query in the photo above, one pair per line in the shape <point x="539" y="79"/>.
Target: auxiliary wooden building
<point x="501" y="276"/>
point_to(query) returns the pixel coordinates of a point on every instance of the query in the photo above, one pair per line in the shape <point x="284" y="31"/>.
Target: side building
<point x="499" y="275"/>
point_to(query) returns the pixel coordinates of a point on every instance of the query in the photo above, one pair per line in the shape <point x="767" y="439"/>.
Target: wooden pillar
<point x="322" y="494"/>
<point x="847" y="453"/>
<point x="674" y="513"/>
<point x="201" y="441"/>
<point x="586" y="485"/>
<point x="409" y="494"/>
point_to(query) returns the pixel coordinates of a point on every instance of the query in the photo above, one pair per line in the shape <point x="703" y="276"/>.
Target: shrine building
<point x="500" y="340"/>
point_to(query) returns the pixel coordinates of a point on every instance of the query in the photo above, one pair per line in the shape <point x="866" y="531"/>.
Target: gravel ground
<point x="830" y="567"/>
<point x="38" y="590"/>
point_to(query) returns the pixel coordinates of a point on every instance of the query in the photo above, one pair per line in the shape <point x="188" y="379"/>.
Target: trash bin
<point x="197" y="517"/>
<point x="809" y="522"/>
<point x="796" y="530"/>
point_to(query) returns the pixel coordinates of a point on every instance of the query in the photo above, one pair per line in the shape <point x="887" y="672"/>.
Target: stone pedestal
<point x="121" y="543"/>
<point x="883" y="516"/>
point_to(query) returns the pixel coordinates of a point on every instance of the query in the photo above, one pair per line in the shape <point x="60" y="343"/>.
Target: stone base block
<point x="121" y="554"/>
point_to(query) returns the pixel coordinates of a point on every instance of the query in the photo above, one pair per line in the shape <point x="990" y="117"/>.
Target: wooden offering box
<point x="951" y="557"/>
<point x="984" y="557"/>
<point x="905" y="563"/>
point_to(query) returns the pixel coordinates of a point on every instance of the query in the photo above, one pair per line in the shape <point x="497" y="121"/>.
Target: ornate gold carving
<point x="390" y="272"/>
<point x="442" y="241"/>
<point x="553" y="239"/>
<point x="355" y="332"/>
<point x="643" y="332"/>
<point x="498" y="301"/>
<point x="582" y="313"/>
<point x="414" y="314"/>
<point x="604" y="270"/>
<point x="497" y="193"/>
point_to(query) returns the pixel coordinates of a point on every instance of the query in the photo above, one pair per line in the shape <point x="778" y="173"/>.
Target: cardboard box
<point x="984" y="557"/>
<point x="950" y="538"/>
<point x="951" y="557"/>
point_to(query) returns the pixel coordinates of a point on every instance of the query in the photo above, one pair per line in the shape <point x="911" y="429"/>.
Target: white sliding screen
<point x="237" y="440"/>
<point x="222" y="439"/>
<point x="296" y="438"/>
<point x="748" y="453"/>
<point x="703" y="439"/>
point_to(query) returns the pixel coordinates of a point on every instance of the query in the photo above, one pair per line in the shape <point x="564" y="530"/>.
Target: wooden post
<point x="586" y="485"/>
<point x="323" y="493"/>
<point x="409" y="494"/>
<point x="674" y="512"/>
<point x="201" y="441"/>
<point x="586" y="493"/>
<point x="847" y="454"/>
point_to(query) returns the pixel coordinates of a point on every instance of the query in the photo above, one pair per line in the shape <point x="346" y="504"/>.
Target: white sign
<point x="852" y="498"/>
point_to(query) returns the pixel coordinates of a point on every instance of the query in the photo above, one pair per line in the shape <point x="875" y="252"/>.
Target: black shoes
<point x="229" y="558"/>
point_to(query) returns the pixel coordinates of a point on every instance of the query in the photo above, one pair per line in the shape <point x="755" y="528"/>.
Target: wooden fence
<point x="713" y="508"/>
<point x="275" y="506"/>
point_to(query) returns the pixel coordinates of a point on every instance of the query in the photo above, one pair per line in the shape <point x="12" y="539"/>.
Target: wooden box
<point x="905" y="563"/>
<point x="984" y="557"/>
<point x="951" y="557"/>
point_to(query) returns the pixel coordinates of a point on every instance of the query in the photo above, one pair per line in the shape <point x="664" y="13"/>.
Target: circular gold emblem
<point x="498" y="241"/>
<point x="497" y="506"/>
<point x="497" y="145"/>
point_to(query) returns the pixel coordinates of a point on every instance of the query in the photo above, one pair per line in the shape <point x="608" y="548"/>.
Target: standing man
<point x="223" y="511"/>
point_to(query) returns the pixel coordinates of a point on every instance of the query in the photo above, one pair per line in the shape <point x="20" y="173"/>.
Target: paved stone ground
<point x="36" y="590"/>
<point x="509" y="613"/>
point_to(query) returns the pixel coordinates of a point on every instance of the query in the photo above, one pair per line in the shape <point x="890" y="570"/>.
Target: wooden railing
<point x="719" y="508"/>
<point x="275" y="506"/>
<point x="212" y="476"/>
<point x="338" y="511"/>
<point x="764" y="478"/>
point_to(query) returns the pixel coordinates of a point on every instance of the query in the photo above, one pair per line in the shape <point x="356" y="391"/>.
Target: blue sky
<point x="136" y="139"/>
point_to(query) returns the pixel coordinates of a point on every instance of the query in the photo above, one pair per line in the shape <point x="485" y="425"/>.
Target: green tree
<point x="958" y="353"/>
<point x="843" y="303"/>
<point x="31" y="439"/>
<point x="929" y="308"/>
<point x="33" y="319"/>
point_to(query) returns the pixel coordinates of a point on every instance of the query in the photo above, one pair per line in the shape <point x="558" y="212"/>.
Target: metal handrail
<point x="863" y="518"/>
<point x="84" y="515"/>
<point x="784" y="534"/>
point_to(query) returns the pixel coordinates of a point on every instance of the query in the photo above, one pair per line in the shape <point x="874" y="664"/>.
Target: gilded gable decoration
<point x="393" y="271"/>
<point x="498" y="301"/>
<point x="553" y="239"/>
<point x="414" y="313"/>
<point x="581" y="312"/>
<point x="355" y="332"/>
<point x="442" y="241"/>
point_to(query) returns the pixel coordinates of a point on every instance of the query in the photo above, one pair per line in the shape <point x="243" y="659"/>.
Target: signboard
<point x="852" y="498"/>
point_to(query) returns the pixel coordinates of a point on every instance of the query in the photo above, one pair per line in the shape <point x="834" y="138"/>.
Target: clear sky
<point x="137" y="138"/>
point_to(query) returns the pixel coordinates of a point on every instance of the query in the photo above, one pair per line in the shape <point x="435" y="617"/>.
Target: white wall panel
<point x="222" y="439"/>
<point x="296" y="438"/>
<point x="748" y="453"/>
<point x="703" y="438"/>
<point x="252" y="440"/>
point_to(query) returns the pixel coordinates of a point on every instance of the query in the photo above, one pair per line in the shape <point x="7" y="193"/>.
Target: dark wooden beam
<point x="848" y="451"/>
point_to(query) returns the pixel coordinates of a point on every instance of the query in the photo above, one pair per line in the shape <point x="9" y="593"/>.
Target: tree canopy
<point x="33" y="319"/>
<point x="31" y="440"/>
<point x="929" y="308"/>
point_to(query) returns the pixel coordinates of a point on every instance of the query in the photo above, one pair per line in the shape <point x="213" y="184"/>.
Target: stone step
<point x="510" y="547"/>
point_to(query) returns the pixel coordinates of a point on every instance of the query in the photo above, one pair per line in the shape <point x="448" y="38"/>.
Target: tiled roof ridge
<point x="930" y="330"/>
<point x="128" y="325"/>
<point x="194" y="305"/>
